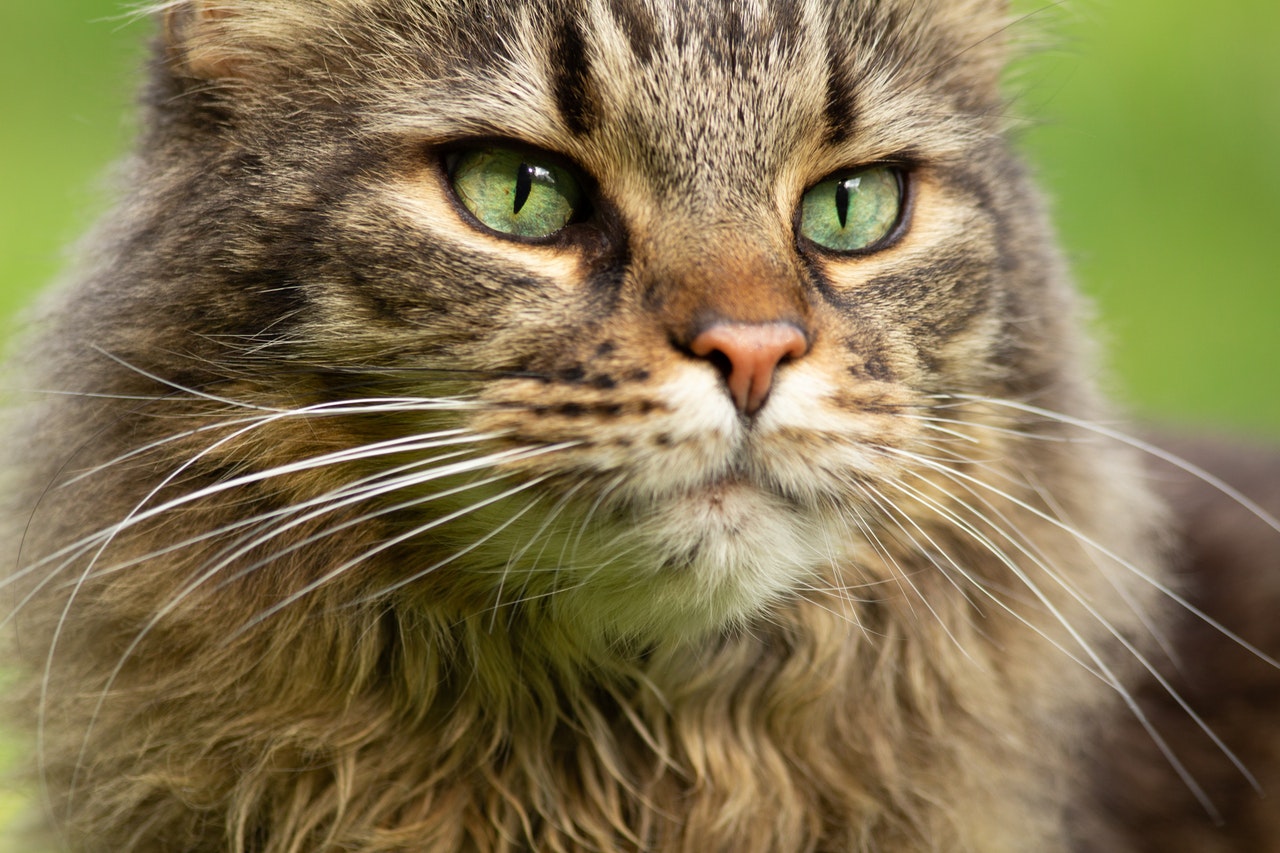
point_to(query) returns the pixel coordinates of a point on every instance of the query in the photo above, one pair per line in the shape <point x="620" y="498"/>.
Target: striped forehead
<point x="693" y="95"/>
<point x="697" y="54"/>
<point x="689" y="91"/>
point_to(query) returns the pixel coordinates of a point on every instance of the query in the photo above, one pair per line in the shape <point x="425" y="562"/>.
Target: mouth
<point x="730" y="506"/>
<point x="719" y="489"/>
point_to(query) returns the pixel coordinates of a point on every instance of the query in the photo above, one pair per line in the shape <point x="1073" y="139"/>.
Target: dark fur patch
<point x="1230" y="570"/>
<point x="572" y="84"/>
<point x="638" y="26"/>
<point x="874" y="367"/>
<point x="839" y="109"/>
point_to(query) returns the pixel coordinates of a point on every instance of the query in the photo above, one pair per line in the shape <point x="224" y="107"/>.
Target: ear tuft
<point x="198" y="35"/>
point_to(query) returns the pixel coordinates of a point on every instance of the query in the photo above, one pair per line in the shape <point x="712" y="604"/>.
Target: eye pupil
<point x="842" y="202"/>
<point x="524" y="184"/>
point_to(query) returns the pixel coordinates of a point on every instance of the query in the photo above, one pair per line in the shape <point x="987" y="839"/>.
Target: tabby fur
<point x="348" y="526"/>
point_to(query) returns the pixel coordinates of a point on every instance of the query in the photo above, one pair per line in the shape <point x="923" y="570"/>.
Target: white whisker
<point x="216" y="569"/>
<point x="1144" y="446"/>
<point x="900" y="576"/>
<point x="1137" y="655"/>
<point x="518" y="554"/>
<point x="418" y="531"/>
<point x="1111" y="555"/>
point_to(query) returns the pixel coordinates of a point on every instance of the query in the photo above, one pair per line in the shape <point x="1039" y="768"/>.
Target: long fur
<point x="346" y="525"/>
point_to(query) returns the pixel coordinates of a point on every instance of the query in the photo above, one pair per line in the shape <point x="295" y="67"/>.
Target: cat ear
<point x="199" y="35"/>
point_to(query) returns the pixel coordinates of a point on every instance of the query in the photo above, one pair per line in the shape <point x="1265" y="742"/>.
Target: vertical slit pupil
<point x="842" y="202"/>
<point x="524" y="184"/>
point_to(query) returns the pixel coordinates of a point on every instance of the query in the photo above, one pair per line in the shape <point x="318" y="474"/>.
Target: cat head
<point x="691" y="279"/>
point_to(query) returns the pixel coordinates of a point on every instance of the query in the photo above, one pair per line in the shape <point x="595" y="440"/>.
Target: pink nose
<point x="749" y="353"/>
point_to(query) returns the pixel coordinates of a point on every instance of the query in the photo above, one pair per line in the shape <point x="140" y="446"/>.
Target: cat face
<point x="691" y="282"/>
<point x="607" y="423"/>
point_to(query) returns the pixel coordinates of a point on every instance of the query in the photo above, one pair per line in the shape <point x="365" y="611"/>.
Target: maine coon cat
<point x="603" y="425"/>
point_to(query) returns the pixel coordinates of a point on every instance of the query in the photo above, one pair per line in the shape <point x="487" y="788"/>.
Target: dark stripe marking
<point x="638" y="26"/>
<point x="572" y="84"/>
<point x="840" y="109"/>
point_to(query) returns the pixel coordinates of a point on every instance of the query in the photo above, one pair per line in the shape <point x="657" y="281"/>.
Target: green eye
<point x="854" y="211"/>
<point x="515" y="192"/>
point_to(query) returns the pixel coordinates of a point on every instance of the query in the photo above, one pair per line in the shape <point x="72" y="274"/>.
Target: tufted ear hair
<point x="197" y="35"/>
<point x="247" y="40"/>
<point x="237" y="39"/>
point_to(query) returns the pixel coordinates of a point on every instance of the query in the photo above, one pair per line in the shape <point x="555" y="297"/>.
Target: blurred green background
<point x="1156" y="129"/>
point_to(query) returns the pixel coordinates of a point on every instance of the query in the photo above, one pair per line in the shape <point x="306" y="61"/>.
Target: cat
<point x="605" y="425"/>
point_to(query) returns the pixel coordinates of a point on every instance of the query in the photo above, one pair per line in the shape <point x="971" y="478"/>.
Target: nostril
<point x="719" y="360"/>
<point x="747" y="355"/>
